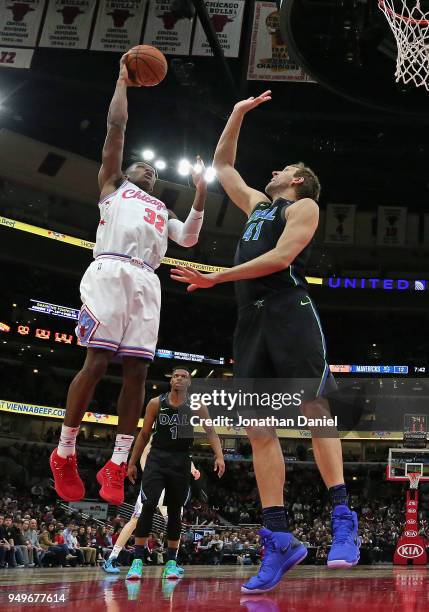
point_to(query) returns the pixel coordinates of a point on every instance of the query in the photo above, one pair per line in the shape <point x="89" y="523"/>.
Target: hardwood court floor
<point x="216" y="589"/>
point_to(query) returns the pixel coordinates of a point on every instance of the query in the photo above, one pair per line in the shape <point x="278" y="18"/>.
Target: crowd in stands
<point x="35" y="530"/>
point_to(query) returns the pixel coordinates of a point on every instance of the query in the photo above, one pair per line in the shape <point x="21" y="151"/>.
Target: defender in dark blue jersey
<point x="279" y="334"/>
<point x="168" y="418"/>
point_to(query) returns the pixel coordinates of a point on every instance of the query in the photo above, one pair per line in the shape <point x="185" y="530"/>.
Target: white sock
<point x="115" y="552"/>
<point x="122" y="448"/>
<point x="67" y="443"/>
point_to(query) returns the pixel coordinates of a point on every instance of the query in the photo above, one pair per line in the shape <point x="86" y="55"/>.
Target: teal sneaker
<point x="171" y="571"/>
<point x="133" y="589"/>
<point x="136" y="570"/>
<point x="109" y="566"/>
<point x="168" y="587"/>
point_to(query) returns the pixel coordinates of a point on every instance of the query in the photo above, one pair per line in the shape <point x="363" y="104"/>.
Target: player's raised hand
<point x="246" y="105"/>
<point x="195" y="279"/>
<point x="219" y="466"/>
<point x="198" y="171"/>
<point x="123" y="73"/>
<point x="132" y="473"/>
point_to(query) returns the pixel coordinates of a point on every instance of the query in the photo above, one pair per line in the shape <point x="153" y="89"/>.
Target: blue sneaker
<point x="136" y="570"/>
<point x="109" y="566"/>
<point x="281" y="552"/>
<point x="345" y="540"/>
<point x="181" y="571"/>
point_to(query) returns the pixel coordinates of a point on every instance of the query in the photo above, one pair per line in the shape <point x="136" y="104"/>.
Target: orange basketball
<point x="146" y="65"/>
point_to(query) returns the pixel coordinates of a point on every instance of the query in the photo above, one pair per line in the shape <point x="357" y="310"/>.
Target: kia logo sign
<point x="411" y="522"/>
<point x="410" y="551"/>
<point x="410" y="534"/>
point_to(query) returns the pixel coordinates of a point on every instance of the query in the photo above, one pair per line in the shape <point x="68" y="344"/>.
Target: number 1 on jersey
<point x="173" y="432"/>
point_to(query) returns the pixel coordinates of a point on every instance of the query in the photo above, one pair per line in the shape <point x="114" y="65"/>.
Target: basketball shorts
<point x="120" y="308"/>
<point x="280" y="336"/>
<point x="166" y="470"/>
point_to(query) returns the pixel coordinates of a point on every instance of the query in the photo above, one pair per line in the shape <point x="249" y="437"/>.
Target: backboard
<point x="405" y="460"/>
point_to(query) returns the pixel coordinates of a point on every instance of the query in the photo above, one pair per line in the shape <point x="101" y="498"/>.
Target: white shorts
<point x="121" y="306"/>
<point x="137" y="508"/>
<point x="139" y="505"/>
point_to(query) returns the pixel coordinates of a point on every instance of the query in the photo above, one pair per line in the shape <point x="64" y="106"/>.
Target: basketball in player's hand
<point x="146" y="65"/>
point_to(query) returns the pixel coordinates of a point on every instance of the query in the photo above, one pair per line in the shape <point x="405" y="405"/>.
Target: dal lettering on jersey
<point x="174" y="419"/>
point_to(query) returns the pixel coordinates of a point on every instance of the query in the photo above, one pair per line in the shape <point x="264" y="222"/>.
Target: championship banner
<point x="269" y="58"/>
<point x="227" y="19"/>
<point x="119" y="25"/>
<point x="340" y="224"/>
<point x="20" y="22"/>
<point x="392" y="221"/>
<point x="15" y="58"/>
<point x="67" y="24"/>
<point x="164" y="30"/>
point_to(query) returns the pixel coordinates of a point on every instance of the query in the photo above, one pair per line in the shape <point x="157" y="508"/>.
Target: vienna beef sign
<point x="20" y="22"/>
<point x="67" y="24"/>
<point x="227" y="19"/>
<point x="119" y="25"/>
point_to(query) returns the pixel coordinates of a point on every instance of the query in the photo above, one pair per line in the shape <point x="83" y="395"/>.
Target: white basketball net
<point x="414" y="479"/>
<point x="410" y="26"/>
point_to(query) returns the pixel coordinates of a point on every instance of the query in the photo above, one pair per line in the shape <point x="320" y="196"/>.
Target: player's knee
<point x="96" y="366"/>
<point x="261" y="437"/>
<point x="135" y="371"/>
<point x="315" y="409"/>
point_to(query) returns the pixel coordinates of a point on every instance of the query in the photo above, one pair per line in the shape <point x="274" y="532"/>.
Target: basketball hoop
<point x="414" y="478"/>
<point x="410" y="26"/>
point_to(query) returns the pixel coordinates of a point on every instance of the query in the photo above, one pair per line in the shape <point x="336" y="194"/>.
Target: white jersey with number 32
<point x="133" y="223"/>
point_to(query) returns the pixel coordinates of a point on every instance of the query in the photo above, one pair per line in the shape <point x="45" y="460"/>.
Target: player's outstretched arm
<point x="111" y="168"/>
<point x="213" y="438"/>
<point x="240" y="193"/>
<point x="186" y="234"/>
<point x="143" y="438"/>
<point x="301" y="226"/>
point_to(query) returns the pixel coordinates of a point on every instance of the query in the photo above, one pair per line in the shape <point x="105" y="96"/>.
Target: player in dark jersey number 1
<point x="168" y="466"/>
<point x="279" y="334"/>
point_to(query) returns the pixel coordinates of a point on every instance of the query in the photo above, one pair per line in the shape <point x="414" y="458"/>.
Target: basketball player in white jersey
<point x="121" y="299"/>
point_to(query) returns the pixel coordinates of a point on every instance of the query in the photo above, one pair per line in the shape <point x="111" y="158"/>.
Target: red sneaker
<point x="68" y="483"/>
<point x="111" y="479"/>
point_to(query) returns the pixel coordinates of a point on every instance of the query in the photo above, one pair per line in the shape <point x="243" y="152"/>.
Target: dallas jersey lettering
<point x="133" y="223"/>
<point x="173" y="431"/>
<point x="261" y="234"/>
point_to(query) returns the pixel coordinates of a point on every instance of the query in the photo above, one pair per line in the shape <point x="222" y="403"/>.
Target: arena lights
<point x="210" y="174"/>
<point x="184" y="167"/>
<point x="148" y="154"/>
<point x="160" y="164"/>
